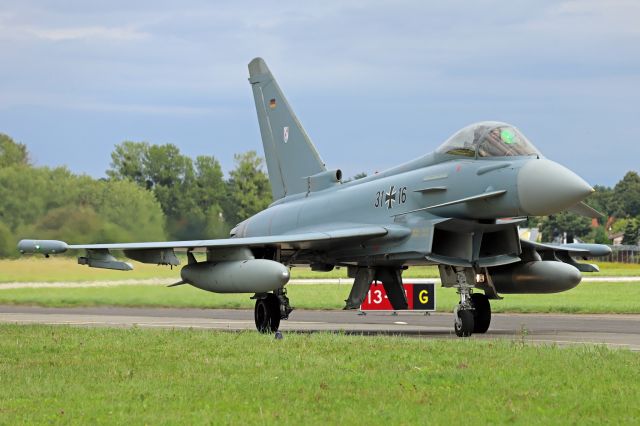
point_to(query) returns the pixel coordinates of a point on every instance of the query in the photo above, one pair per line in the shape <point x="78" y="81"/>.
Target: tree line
<point x="620" y="206"/>
<point x="151" y="193"/>
<point x="154" y="192"/>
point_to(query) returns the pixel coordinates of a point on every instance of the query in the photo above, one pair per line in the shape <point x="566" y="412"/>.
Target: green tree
<point x="12" y="153"/>
<point x="172" y="176"/>
<point x="248" y="188"/>
<point x="186" y="192"/>
<point x="128" y="209"/>
<point x="54" y="203"/>
<point x="630" y="233"/>
<point x="626" y="194"/>
<point x="598" y="235"/>
<point x="7" y="242"/>
<point x="216" y="225"/>
<point x="27" y="193"/>
<point x="603" y="200"/>
<point x="127" y="162"/>
<point x="573" y="224"/>
<point x="209" y="193"/>
<point x="209" y="188"/>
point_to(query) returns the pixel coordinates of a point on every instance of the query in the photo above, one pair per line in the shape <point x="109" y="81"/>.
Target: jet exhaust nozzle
<point x="238" y="276"/>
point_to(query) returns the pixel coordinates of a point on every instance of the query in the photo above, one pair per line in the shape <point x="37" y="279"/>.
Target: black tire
<point x="262" y="316"/>
<point x="275" y="311"/>
<point x="267" y="314"/>
<point x="464" y="327"/>
<point x="481" y="312"/>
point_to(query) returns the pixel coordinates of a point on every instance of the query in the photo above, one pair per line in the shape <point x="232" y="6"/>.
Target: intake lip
<point x="546" y="187"/>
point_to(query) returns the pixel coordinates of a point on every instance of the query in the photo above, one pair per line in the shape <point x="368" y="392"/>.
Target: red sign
<point x="420" y="297"/>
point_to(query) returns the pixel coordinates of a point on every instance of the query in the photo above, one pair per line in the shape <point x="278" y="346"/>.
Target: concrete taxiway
<point x="619" y="331"/>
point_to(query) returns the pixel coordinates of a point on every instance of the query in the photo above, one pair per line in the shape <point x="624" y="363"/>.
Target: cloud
<point x="84" y="33"/>
<point x="421" y="66"/>
<point x="48" y="25"/>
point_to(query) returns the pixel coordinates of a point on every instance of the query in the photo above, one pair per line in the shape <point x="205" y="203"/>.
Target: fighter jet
<point x="458" y="207"/>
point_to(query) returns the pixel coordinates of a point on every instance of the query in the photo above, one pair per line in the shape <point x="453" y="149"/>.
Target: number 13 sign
<point x="420" y="297"/>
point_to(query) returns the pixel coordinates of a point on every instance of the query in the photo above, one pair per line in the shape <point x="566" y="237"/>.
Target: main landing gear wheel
<point x="481" y="312"/>
<point x="463" y="325"/>
<point x="267" y="314"/>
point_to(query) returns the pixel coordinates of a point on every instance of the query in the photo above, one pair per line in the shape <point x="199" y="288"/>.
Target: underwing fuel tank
<point x="237" y="276"/>
<point x="537" y="277"/>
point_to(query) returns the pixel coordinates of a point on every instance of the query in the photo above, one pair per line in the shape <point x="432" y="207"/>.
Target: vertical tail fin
<point x="289" y="152"/>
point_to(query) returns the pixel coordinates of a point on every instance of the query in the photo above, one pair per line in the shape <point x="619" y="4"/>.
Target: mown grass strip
<point x="56" y="374"/>
<point x="38" y="269"/>
<point x="588" y="297"/>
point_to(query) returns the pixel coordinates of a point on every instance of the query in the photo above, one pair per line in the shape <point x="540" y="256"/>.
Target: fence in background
<point x="623" y="254"/>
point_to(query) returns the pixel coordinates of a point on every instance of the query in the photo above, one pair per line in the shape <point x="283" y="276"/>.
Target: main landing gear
<point x="270" y="309"/>
<point x="473" y="313"/>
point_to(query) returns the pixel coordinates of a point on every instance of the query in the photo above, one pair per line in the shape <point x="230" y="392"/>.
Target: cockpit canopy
<point x="488" y="139"/>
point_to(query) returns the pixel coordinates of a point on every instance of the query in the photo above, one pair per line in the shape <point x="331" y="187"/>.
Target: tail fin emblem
<point x="272" y="103"/>
<point x="285" y="135"/>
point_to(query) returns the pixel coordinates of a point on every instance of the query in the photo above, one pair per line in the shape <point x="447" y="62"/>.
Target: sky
<point x="374" y="83"/>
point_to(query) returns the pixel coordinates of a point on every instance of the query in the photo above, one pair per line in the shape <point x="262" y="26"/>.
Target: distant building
<point x="616" y="238"/>
<point x="531" y="234"/>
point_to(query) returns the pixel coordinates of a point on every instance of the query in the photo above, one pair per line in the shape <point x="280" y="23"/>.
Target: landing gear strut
<point x="463" y="313"/>
<point x="270" y="309"/>
<point x="473" y="313"/>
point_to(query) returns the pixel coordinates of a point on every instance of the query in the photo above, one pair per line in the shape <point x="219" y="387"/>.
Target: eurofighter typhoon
<point x="458" y="207"/>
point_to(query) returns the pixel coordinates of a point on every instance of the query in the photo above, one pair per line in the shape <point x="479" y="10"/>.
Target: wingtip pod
<point x="42" y="247"/>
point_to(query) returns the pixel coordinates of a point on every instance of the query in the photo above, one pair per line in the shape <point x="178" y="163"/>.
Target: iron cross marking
<point x="390" y="197"/>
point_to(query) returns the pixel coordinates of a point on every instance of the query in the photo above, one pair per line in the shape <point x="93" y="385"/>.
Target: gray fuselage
<point x="405" y="196"/>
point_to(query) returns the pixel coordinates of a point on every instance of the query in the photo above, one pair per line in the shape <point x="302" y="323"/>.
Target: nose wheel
<point x="463" y="325"/>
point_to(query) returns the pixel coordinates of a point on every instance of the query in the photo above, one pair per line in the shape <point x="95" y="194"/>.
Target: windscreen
<point x="461" y="143"/>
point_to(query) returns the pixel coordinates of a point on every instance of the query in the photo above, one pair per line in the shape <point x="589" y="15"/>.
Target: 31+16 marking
<point x="388" y="198"/>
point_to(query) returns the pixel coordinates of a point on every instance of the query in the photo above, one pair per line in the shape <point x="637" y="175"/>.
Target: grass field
<point x="65" y="375"/>
<point x="588" y="297"/>
<point x="38" y="269"/>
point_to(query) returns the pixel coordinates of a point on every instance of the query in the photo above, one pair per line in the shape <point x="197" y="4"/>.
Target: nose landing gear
<point x="463" y="323"/>
<point x="473" y="313"/>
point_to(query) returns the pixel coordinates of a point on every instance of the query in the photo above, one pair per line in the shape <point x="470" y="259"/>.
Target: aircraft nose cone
<point x="545" y="187"/>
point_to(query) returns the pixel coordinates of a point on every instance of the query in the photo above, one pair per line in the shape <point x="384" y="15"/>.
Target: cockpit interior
<point x="488" y="139"/>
